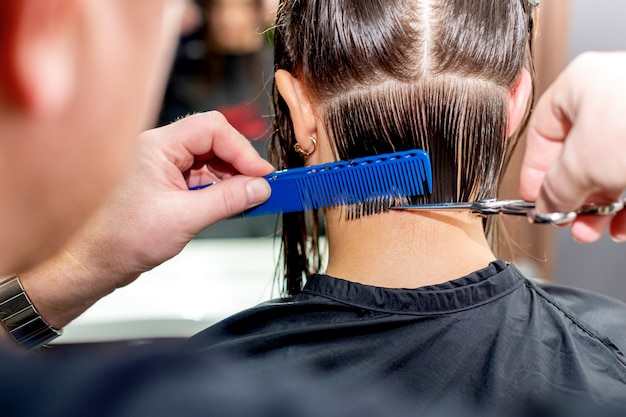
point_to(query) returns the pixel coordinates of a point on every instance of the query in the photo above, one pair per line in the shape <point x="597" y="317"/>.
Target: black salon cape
<point x="493" y="338"/>
<point x="155" y="382"/>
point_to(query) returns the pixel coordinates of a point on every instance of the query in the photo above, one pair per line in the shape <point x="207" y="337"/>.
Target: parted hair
<point x="390" y="75"/>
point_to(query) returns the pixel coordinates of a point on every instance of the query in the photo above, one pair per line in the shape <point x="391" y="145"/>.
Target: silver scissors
<point x="520" y="208"/>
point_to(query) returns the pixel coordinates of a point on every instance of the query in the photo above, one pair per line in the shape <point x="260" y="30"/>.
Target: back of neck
<point x="406" y="249"/>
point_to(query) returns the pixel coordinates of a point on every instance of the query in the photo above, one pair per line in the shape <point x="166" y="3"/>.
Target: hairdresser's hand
<point x="153" y="215"/>
<point x="576" y="150"/>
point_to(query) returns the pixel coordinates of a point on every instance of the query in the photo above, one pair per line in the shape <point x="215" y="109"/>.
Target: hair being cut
<point x="390" y="75"/>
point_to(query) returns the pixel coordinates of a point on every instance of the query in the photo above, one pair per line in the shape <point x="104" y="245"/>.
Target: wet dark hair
<point x="388" y="75"/>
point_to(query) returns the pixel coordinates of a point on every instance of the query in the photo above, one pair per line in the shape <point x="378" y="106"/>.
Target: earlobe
<point x="39" y="56"/>
<point x="518" y="100"/>
<point x="300" y="107"/>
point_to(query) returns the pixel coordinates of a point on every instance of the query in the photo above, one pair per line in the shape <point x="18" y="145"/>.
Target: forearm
<point x="62" y="288"/>
<point x="35" y="304"/>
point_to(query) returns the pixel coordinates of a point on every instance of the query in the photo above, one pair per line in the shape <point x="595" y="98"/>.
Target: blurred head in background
<point x="234" y="27"/>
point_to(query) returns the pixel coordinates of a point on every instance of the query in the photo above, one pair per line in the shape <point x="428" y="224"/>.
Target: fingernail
<point x="258" y="190"/>
<point x="619" y="238"/>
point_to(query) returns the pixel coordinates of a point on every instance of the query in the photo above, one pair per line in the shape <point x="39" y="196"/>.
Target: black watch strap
<point x="20" y="317"/>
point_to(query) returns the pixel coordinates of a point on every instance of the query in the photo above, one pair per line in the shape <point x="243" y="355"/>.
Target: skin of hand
<point x="152" y="215"/>
<point x="576" y="144"/>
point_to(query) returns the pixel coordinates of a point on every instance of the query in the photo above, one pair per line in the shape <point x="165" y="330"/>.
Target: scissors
<point x="492" y="206"/>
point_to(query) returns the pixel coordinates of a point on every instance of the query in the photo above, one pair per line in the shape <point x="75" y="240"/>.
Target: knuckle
<point x="215" y="116"/>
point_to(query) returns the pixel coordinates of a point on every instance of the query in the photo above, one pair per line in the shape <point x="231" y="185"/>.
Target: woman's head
<point x="234" y="26"/>
<point x="388" y="75"/>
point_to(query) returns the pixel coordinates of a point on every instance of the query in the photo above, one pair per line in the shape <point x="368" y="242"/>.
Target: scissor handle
<point x="491" y="206"/>
<point x="525" y="208"/>
<point x="602" y="209"/>
<point x="560" y="218"/>
<point x="556" y="217"/>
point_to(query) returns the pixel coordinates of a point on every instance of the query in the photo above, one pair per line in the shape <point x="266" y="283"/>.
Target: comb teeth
<point x="362" y="181"/>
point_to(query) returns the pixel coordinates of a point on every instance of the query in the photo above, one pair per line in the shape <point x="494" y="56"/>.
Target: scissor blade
<point x="437" y="206"/>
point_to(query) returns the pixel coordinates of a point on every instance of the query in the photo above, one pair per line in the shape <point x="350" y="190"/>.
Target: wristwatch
<point x="20" y="317"/>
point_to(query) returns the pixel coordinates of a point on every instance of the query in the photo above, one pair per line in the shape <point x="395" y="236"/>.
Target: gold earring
<point x="304" y="153"/>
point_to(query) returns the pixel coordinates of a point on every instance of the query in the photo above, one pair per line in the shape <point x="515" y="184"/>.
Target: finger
<point x="618" y="227"/>
<point x="589" y="229"/>
<point x="220" y="168"/>
<point x="547" y="130"/>
<point x="202" y="176"/>
<point x="224" y="199"/>
<point x="565" y="186"/>
<point x="209" y="133"/>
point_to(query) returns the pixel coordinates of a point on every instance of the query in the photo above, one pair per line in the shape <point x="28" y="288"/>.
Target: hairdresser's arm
<point x="576" y="150"/>
<point x="153" y="215"/>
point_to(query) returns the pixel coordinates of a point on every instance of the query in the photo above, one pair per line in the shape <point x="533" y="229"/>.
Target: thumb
<point x="225" y="199"/>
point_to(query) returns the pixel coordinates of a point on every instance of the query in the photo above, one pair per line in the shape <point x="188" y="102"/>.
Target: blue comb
<point x="358" y="181"/>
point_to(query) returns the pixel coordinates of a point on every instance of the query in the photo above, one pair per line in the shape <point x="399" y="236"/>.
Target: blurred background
<point x="224" y="62"/>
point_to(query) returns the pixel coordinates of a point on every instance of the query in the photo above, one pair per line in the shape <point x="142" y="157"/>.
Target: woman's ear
<point x="37" y="51"/>
<point x="301" y="109"/>
<point x="518" y="101"/>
